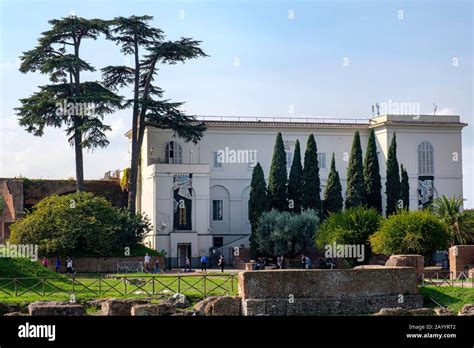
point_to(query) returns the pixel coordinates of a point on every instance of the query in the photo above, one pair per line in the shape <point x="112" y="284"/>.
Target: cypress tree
<point x="333" y="194"/>
<point x="405" y="188"/>
<point x="373" y="181"/>
<point x="258" y="204"/>
<point x="392" y="185"/>
<point x="311" y="196"/>
<point x="295" y="181"/>
<point x="278" y="176"/>
<point x="355" y="191"/>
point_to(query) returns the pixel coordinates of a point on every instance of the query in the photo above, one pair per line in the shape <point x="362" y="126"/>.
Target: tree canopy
<point x="68" y="102"/>
<point x="372" y="179"/>
<point x="149" y="49"/>
<point x="278" y="176"/>
<point x="311" y="196"/>
<point x="295" y="181"/>
<point x="355" y="191"/>
<point x="333" y="201"/>
<point x="410" y="232"/>
<point x="258" y="204"/>
<point x="392" y="184"/>
<point x="285" y="233"/>
<point x="79" y="224"/>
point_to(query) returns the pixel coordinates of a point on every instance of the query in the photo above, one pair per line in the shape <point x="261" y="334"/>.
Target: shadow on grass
<point x="452" y="297"/>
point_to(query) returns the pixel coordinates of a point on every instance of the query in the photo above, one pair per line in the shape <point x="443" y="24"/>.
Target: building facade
<point x="196" y="195"/>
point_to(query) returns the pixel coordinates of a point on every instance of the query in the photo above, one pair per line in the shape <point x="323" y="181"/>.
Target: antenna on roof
<point x="435" y="107"/>
<point x="378" y="108"/>
<point x="373" y="110"/>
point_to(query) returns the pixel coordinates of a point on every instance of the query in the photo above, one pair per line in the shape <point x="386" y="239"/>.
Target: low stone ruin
<point x="322" y="292"/>
<point x="55" y="308"/>
<point x="120" y="306"/>
<point x="164" y="308"/>
<point x="219" y="306"/>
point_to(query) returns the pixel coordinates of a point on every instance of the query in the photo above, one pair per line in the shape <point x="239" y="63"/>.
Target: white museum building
<point x="196" y="195"/>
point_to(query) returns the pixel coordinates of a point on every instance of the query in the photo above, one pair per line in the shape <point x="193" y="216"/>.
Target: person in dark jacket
<point x="221" y="262"/>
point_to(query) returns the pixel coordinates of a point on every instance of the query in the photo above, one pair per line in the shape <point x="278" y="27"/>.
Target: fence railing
<point x="127" y="285"/>
<point x="283" y="119"/>
<point x="446" y="278"/>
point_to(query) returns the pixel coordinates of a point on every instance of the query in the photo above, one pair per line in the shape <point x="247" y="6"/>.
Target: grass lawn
<point x="452" y="297"/>
<point x="39" y="283"/>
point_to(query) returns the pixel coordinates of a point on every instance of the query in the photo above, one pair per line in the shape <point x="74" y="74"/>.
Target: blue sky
<point x="401" y="51"/>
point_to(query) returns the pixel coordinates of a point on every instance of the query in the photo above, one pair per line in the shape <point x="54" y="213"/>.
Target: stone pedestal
<point x="415" y="261"/>
<point x="322" y="292"/>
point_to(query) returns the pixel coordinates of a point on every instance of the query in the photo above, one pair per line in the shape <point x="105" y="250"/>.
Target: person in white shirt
<point x="69" y="268"/>
<point x="147" y="262"/>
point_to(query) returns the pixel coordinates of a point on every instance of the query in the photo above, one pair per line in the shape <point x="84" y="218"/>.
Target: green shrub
<point x="284" y="233"/>
<point x="141" y="250"/>
<point x="415" y="232"/>
<point x="352" y="226"/>
<point x="79" y="224"/>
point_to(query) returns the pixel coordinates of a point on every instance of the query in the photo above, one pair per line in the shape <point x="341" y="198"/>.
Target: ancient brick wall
<point x="35" y="190"/>
<point x="20" y="194"/>
<point x="11" y="191"/>
<point x="461" y="259"/>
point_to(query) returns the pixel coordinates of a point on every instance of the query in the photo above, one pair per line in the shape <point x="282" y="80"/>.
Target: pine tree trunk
<point x="79" y="161"/>
<point x="132" y="192"/>
<point x="77" y="133"/>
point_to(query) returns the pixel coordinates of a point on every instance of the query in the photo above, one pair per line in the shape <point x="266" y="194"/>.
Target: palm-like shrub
<point x="352" y="226"/>
<point x="449" y="210"/>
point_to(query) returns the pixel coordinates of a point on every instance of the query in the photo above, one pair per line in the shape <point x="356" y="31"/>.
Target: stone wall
<point x="317" y="292"/>
<point x="35" y="190"/>
<point x="12" y="192"/>
<point x="100" y="264"/>
<point x="21" y="193"/>
<point x="461" y="259"/>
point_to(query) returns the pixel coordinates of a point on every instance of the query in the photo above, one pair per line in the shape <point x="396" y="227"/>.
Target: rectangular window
<point x="217" y="209"/>
<point x="322" y="160"/>
<point x="216" y="160"/>
<point x="218" y="242"/>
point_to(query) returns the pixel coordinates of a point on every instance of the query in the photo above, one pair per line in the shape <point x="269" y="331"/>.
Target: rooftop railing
<point x="283" y="119"/>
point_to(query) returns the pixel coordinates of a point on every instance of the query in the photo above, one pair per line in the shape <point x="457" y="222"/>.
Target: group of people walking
<point x="147" y="265"/>
<point x="261" y="263"/>
<point x="204" y="261"/>
<point x="57" y="265"/>
<point x="187" y="264"/>
<point x="306" y="263"/>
